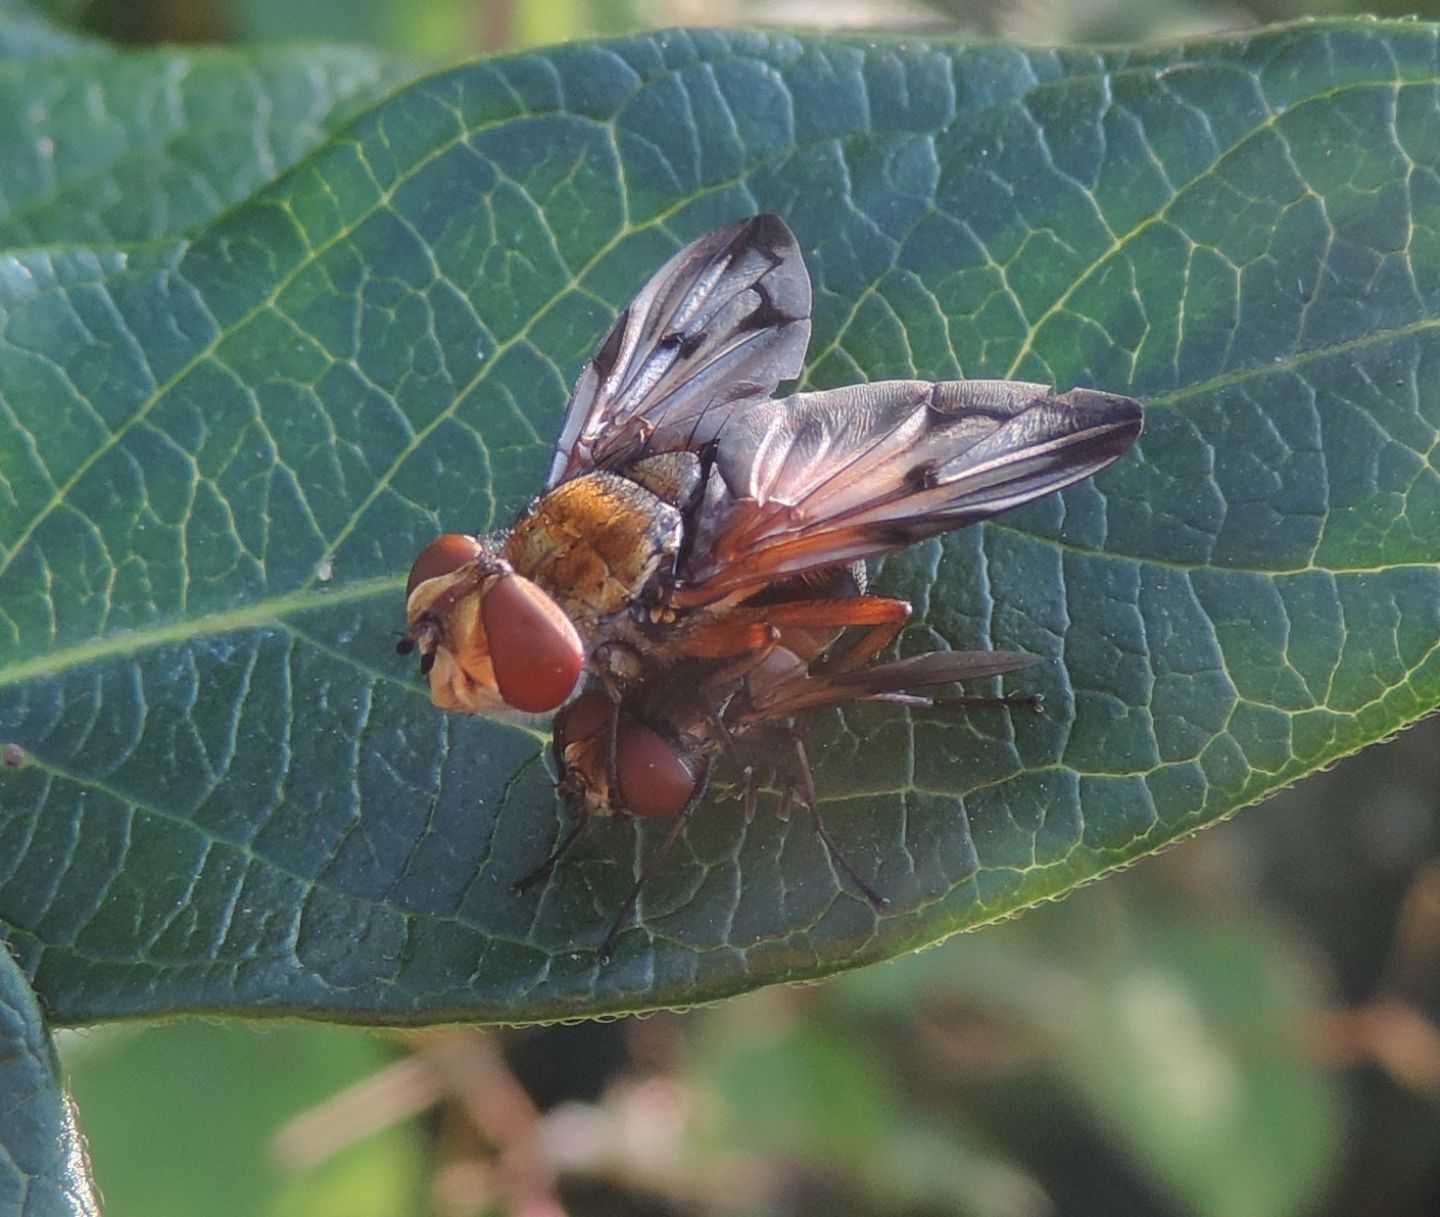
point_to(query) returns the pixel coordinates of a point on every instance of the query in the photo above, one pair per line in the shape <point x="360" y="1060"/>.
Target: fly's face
<point x="489" y="639"/>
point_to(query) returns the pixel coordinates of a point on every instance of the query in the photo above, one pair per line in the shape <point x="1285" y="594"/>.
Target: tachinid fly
<point x="693" y="527"/>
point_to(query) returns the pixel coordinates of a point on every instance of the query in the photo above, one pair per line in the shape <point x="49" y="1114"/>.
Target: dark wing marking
<point x="726" y="319"/>
<point x="824" y="478"/>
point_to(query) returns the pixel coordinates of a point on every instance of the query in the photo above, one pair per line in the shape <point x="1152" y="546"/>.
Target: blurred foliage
<point x="427" y="27"/>
<point x="180" y="1119"/>
<point x="459" y="27"/>
<point x="1005" y="1074"/>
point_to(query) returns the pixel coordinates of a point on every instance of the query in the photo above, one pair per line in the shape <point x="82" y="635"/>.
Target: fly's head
<point x="491" y="641"/>
<point x="651" y="775"/>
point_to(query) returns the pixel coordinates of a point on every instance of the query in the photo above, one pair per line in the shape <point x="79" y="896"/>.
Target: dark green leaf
<point x="221" y="455"/>
<point x="103" y="147"/>
<point x="43" y="1168"/>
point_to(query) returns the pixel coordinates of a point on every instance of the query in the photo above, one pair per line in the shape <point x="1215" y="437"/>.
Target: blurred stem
<point x="359" y="1111"/>
<point x="497" y="23"/>
<point x="498" y="1107"/>
<point x="1414" y="959"/>
<point x="1389" y="1033"/>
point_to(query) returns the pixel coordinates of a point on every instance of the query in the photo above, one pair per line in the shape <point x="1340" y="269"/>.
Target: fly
<point x="681" y="583"/>
<point x="681" y="490"/>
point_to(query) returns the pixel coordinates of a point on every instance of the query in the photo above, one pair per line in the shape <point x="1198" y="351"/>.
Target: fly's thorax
<point x="597" y="544"/>
<point x="672" y="477"/>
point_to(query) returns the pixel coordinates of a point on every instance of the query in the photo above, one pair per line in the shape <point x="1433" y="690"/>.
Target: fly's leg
<point x="768" y="638"/>
<point x="715" y="690"/>
<point x="750" y="629"/>
<point x="1006" y="701"/>
<point x="612" y="748"/>
<point x="616" y="666"/>
<point x="748" y="780"/>
<point x="652" y="863"/>
<point x="807" y="790"/>
<point x="752" y="795"/>
<point x="803" y="785"/>
<point x="879" y="636"/>
<point x="526" y="882"/>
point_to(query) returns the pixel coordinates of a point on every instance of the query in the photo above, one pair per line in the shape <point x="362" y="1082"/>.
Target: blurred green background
<point x="1029" y="1069"/>
<point x="468" y="27"/>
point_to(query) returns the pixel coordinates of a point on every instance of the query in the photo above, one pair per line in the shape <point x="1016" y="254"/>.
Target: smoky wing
<point x="725" y="320"/>
<point x="819" y="479"/>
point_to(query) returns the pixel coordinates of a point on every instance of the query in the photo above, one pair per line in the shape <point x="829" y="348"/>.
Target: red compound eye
<point x="443" y="556"/>
<point x="588" y="715"/>
<point x="656" y="778"/>
<point x="535" y="650"/>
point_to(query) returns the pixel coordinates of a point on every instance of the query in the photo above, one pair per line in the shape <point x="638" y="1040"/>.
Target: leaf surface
<point x="44" y="1171"/>
<point x="104" y="147"/>
<point x="221" y="454"/>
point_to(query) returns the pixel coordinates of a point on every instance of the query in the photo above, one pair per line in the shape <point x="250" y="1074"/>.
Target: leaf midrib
<point x="268" y="612"/>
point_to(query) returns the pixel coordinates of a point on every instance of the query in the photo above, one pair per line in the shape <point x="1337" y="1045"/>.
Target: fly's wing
<point x="725" y="320"/>
<point x="824" y="478"/>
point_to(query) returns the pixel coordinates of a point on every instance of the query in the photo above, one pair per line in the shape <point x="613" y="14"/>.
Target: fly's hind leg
<point x="1004" y="701"/>
<point x="807" y="792"/>
<point x="541" y="872"/>
<point x="802" y="783"/>
<point x="652" y="864"/>
<point x="616" y="667"/>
